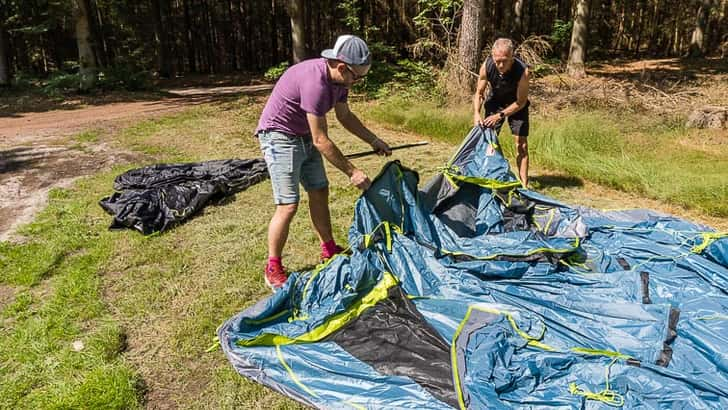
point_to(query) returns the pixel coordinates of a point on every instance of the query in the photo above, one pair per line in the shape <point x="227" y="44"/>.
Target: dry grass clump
<point x="666" y="86"/>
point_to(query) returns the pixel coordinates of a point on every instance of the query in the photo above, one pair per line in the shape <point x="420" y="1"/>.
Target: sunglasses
<point x="356" y="76"/>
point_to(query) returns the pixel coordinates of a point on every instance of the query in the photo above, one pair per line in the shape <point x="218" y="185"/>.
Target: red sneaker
<point x="326" y="255"/>
<point x="275" y="276"/>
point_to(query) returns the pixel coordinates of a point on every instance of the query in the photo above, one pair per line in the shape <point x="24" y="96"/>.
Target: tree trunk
<point x="4" y="66"/>
<point x="577" y="50"/>
<point x="677" y="31"/>
<point x="620" y="30"/>
<point x="163" y="61"/>
<point x="697" y="41"/>
<point x="652" y="44"/>
<point x="101" y="45"/>
<point x="298" y="31"/>
<point x="640" y="25"/>
<point x="189" y="37"/>
<point x="471" y="43"/>
<point x="518" y="19"/>
<point x="86" y="58"/>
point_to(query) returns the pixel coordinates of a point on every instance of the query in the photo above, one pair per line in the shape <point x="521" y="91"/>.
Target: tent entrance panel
<point x="399" y="342"/>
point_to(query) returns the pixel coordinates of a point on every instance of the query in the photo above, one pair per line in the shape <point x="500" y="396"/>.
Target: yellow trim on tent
<point x="483" y="182"/>
<point x="708" y="238"/>
<point x="529" y="253"/>
<point x="293" y="375"/>
<point x="332" y="324"/>
<point x="606" y="396"/>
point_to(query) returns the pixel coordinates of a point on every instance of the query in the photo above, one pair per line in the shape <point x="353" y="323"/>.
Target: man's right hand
<point x="477" y="120"/>
<point x="360" y="180"/>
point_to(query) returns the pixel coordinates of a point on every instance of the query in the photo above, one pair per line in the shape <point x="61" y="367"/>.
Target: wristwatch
<point x="502" y="115"/>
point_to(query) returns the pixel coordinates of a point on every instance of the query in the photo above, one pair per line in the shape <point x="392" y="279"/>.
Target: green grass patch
<point x="422" y="117"/>
<point x="654" y="161"/>
<point x="60" y="304"/>
<point x="88" y="136"/>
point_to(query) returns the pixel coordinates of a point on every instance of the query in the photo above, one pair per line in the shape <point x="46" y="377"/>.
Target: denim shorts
<point x="292" y="160"/>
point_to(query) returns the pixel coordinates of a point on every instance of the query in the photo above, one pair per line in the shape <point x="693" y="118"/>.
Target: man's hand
<point x="381" y="147"/>
<point x="477" y="120"/>
<point x="491" y="120"/>
<point x="360" y="180"/>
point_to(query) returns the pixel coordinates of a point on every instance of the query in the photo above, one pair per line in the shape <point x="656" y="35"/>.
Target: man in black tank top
<point x="506" y="79"/>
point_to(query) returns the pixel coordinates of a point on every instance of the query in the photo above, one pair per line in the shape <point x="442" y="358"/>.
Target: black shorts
<point x="518" y="121"/>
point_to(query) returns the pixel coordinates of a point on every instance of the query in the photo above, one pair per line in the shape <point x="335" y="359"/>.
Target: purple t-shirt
<point x="303" y="88"/>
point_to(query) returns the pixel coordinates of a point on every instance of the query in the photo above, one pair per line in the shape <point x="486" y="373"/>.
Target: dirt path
<point x="36" y="154"/>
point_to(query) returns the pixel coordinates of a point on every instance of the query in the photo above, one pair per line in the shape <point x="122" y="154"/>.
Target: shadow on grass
<point x="556" y="181"/>
<point x="14" y="159"/>
<point x="13" y="103"/>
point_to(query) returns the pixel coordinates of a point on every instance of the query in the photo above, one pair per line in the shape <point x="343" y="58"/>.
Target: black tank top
<point x="504" y="88"/>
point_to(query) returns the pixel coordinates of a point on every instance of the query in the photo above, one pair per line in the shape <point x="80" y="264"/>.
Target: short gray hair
<point x="505" y="44"/>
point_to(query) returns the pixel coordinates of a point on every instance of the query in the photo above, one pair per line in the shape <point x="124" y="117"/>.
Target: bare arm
<point x="479" y="95"/>
<point x="352" y="124"/>
<point x="327" y="148"/>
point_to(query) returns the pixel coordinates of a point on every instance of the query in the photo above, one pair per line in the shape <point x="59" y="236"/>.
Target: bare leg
<point x="278" y="228"/>
<point x="318" y="206"/>
<point x="522" y="159"/>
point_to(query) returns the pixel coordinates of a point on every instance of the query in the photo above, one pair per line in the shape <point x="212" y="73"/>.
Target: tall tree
<point x="579" y="34"/>
<point x="697" y="41"/>
<point x="471" y="42"/>
<point x="86" y="58"/>
<point x="189" y="37"/>
<point x="4" y="62"/>
<point x="159" y="13"/>
<point x="4" y="55"/>
<point x="518" y="19"/>
<point x="298" y="30"/>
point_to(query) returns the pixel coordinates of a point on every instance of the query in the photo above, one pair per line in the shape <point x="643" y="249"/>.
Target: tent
<point x="473" y="292"/>
<point x="157" y="197"/>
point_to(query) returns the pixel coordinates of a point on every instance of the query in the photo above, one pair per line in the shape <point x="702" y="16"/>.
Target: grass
<point x="146" y="308"/>
<point x="654" y="157"/>
<point x="59" y="303"/>
<point x="424" y="118"/>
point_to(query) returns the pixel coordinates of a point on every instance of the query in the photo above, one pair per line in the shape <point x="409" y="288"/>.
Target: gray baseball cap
<point x="350" y="49"/>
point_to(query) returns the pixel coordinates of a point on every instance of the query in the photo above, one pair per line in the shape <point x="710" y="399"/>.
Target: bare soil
<point x="36" y="154"/>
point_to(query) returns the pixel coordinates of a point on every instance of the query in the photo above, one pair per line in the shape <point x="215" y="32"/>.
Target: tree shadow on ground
<point x="15" y="159"/>
<point x="556" y="181"/>
<point x="193" y="91"/>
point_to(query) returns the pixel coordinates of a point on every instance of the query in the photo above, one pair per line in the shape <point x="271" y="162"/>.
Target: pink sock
<point x="329" y="247"/>
<point x="275" y="261"/>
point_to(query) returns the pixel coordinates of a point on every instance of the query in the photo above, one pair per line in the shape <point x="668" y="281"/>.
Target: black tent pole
<point x="365" y="153"/>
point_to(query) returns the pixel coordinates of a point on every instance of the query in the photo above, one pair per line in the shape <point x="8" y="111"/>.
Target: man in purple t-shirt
<point x="293" y="134"/>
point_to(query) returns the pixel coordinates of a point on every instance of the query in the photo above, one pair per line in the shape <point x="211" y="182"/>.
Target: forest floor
<point x="165" y="292"/>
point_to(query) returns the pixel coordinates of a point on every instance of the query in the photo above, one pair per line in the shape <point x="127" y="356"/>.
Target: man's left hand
<point x="381" y="147"/>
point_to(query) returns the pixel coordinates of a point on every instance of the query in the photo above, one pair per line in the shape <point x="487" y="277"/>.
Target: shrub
<point x="60" y="83"/>
<point x="275" y="72"/>
<point x="124" y="77"/>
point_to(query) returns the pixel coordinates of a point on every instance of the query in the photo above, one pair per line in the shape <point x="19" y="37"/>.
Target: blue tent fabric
<point x="472" y="292"/>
